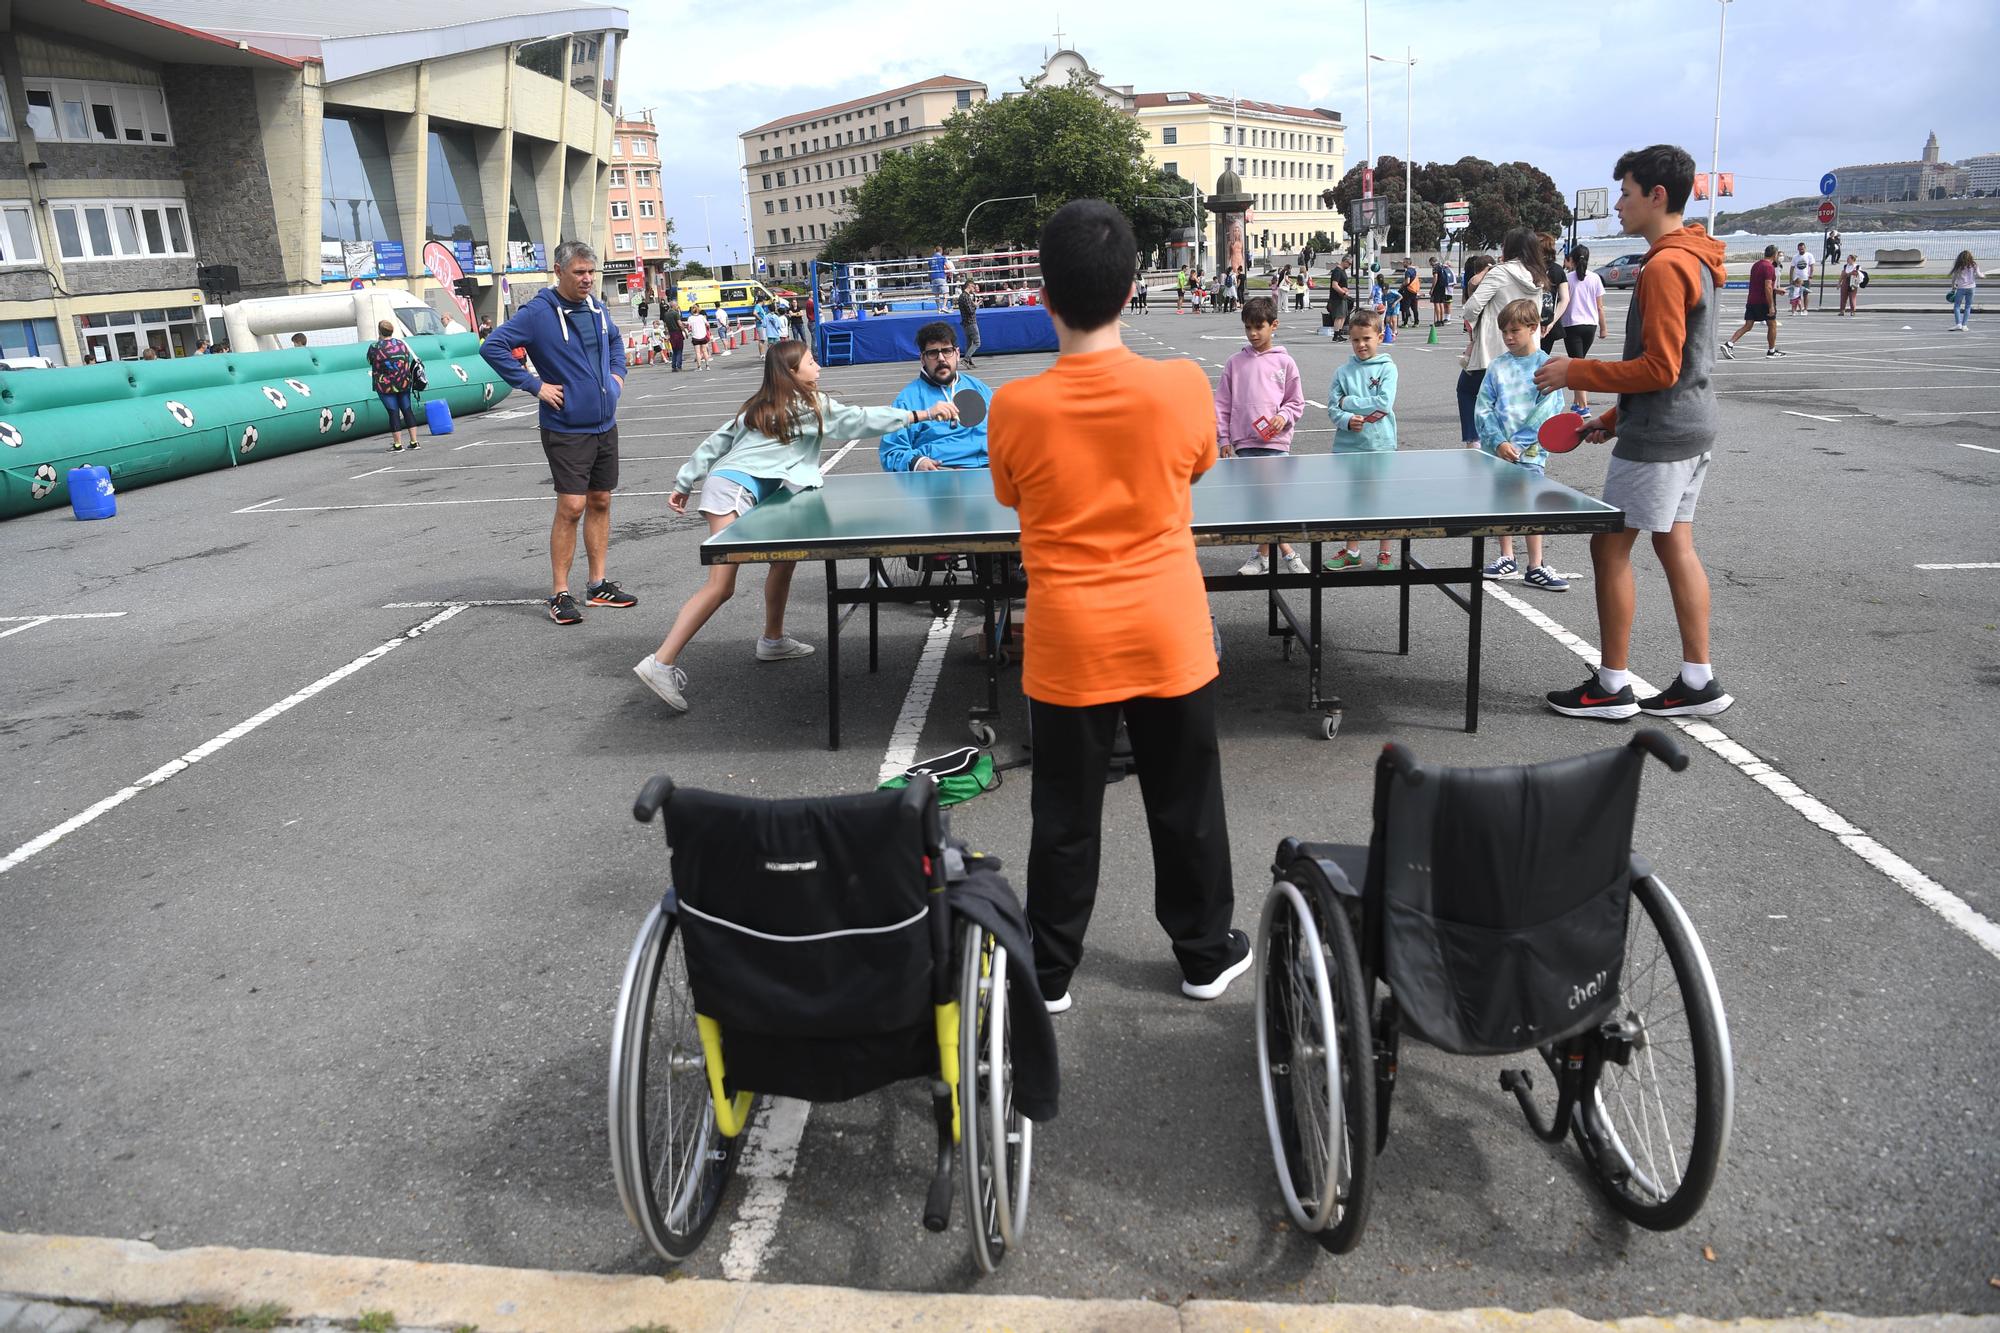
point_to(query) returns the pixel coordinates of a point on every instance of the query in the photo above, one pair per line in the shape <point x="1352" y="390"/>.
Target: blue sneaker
<point x="1541" y="576"/>
<point x="1502" y="568"/>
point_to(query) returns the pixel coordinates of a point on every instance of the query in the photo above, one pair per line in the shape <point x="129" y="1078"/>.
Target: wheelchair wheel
<point x="1315" y="1064"/>
<point x="1656" y="1124"/>
<point x="995" y="1142"/>
<point x="670" y="1161"/>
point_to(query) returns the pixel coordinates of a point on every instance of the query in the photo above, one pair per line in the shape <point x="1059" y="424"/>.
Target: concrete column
<point x="495" y="151"/>
<point x="409" y="138"/>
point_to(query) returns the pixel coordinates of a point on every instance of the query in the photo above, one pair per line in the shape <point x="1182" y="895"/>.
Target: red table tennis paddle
<point x="1562" y="432"/>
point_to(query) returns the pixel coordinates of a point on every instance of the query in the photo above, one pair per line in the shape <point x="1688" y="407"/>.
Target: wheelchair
<point x="821" y="949"/>
<point x="1494" y="912"/>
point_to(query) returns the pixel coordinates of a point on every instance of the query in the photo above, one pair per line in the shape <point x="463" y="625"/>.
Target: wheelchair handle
<point x="1403" y="762"/>
<point x="659" y="789"/>
<point x="1661" y="746"/>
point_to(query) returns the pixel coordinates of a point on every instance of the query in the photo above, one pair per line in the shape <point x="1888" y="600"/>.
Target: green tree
<point x="1502" y="197"/>
<point x="1056" y="144"/>
<point x="696" y="269"/>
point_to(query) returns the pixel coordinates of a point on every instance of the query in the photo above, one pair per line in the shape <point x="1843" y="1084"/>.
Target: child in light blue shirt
<point x="1362" y="403"/>
<point x="1508" y="413"/>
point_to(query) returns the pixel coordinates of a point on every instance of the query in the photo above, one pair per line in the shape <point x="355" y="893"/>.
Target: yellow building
<point x="800" y="171"/>
<point x="1286" y="155"/>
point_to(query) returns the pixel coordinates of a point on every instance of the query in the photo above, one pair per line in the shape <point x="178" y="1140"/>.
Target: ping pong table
<point x="905" y="518"/>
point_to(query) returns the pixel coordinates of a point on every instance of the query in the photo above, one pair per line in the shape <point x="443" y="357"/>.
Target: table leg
<point x="1403" y="610"/>
<point x="832" y="655"/>
<point x="1475" y="606"/>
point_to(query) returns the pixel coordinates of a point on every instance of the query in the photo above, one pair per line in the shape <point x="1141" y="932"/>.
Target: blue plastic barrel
<point x="91" y="493"/>
<point x="438" y="413"/>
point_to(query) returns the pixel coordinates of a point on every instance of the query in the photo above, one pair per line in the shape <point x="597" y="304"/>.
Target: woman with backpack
<point x="393" y="373"/>
<point x="1850" y="285"/>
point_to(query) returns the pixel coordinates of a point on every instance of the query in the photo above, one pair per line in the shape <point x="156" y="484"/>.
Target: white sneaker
<point x="1295" y="564"/>
<point x="1058" y="1005"/>
<point x="778" y="650"/>
<point x="668" y="682"/>
<point x="1256" y="564"/>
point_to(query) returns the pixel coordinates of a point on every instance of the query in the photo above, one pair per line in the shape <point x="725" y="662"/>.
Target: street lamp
<point x="1409" y="63"/>
<point x="1715" y="151"/>
<point x="708" y="232"/>
<point x="1194" y="201"/>
<point x="965" y="231"/>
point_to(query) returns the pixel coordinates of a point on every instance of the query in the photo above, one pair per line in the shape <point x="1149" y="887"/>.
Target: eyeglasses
<point x="939" y="353"/>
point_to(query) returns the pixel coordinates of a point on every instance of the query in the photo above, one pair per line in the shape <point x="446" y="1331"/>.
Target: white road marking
<point x="209" y="747"/>
<point x="66" y="615"/>
<point x="32" y="622"/>
<point x="1955" y="910"/>
<point x="1810" y="416"/>
<point x="377" y="472"/>
<point x="834" y="462"/>
<point x="1836" y="390"/>
<point x="251" y="509"/>
<point x="1982" y="448"/>
<point x="467" y="601"/>
<point x="421" y="504"/>
<point x="1977" y="564"/>
<point x="771" y="1152"/>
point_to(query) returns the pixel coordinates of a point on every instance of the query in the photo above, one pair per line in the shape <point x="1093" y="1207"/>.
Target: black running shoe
<point x="607" y="593"/>
<point x="1239" y="963"/>
<point x="563" y="610"/>
<point x="1591" y="699"/>
<point x="1678" y="700"/>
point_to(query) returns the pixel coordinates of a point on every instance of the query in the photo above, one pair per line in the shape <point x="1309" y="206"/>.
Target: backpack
<point x="395" y="368"/>
<point x="419" y="377"/>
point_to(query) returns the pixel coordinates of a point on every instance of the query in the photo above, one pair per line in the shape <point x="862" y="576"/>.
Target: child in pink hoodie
<point x="1258" y="402"/>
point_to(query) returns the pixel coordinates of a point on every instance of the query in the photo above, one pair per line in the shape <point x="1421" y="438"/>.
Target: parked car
<point x="1622" y="271"/>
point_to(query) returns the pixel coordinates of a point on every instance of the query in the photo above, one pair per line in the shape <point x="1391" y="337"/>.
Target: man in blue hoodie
<point x="579" y="360"/>
<point x="930" y="445"/>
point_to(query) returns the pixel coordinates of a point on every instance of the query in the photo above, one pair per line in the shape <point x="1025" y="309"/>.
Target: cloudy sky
<point x="1567" y="85"/>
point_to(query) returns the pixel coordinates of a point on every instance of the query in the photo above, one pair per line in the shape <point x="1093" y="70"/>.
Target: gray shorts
<point x="1655" y="496"/>
<point x="720" y="495"/>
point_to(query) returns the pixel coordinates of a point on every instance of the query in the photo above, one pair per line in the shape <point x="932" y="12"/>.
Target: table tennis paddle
<point x="1562" y="432"/>
<point x="971" y="405"/>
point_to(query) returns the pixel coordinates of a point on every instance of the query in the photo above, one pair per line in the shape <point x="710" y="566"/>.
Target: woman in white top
<point x="1850" y="285"/>
<point x="1965" y="276"/>
<point x="1518" y="276"/>
<point x="1583" y="315"/>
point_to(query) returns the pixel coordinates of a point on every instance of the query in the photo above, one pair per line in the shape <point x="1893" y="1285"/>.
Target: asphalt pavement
<point x="343" y="982"/>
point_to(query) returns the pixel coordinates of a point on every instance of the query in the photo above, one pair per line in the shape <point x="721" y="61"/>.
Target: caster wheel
<point x="983" y="735"/>
<point x="938" y="609"/>
<point x="1329" y="726"/>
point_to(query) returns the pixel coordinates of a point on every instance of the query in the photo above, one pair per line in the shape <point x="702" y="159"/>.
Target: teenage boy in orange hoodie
<point x="1665" y="421"/>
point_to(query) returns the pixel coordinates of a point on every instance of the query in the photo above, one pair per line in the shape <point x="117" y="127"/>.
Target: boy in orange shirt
<point x="1098" y="455"/>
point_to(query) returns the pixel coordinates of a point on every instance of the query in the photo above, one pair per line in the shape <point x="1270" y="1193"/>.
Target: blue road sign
<point x="1828" y="183"/>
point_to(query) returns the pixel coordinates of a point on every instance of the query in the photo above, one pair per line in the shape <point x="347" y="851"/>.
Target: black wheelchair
<point x="821" y="949"/>
<point x="1492" y="913"/>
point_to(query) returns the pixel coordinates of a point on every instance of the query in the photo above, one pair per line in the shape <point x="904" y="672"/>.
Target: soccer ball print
<point x="485" y="393"/>
<point x="44" y="482"/>
<point x="9" y="436"/>
<point x="249" y="440"/>
<point x="347" y="420"/>
<point x="181" y="413"/>
<point x="463" y="378"/>
<point x="277" y="399"/>
<point x="325" y="420"/>
<point x="299" y="387"/>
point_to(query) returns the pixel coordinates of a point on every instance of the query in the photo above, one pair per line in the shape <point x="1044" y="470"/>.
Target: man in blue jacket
<point x="930" y="445"/>
<point x="579" y="360"/>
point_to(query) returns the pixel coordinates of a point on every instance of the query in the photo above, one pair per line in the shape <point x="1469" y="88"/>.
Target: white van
<point x="330" y="318"/>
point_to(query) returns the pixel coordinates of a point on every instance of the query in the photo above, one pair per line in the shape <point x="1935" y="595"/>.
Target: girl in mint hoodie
<point x="1362" y="403"/>
<point x="773" y="443"/>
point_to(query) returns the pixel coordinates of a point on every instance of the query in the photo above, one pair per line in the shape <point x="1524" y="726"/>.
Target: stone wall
<point x="172" y="279"/>
<point x="230" y="191"/>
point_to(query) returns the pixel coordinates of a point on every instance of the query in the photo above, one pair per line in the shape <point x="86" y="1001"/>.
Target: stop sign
<point x="1826" y="213"/>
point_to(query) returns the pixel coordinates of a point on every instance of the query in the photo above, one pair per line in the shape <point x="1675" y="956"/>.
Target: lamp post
<point x="965" y="231"/>
<point x="708" y="232"/>
<point x="1715" y="151"/>
<point x="1368" y="120"/>
<point x="1194" y="201"/>
<point x="1409" y="63"/>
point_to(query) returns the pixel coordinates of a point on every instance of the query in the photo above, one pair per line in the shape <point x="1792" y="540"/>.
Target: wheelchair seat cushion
<point x="806" y="918"/>
<point x="1504" y="894"/>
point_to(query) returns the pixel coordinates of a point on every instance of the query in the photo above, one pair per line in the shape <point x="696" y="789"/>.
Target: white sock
<point x="1694" y="675"/>
<point x="1613" y="679"/>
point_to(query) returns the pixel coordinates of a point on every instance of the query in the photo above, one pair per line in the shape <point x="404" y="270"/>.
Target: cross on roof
<point x="1059" y="34"/>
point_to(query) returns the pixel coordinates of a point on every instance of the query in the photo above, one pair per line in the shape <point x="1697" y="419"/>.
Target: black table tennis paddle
<point x="971" y="405"/>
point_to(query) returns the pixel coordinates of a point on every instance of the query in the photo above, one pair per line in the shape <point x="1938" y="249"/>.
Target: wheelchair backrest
<point x="1501" y="896"/>
<point x="807" y="917"/>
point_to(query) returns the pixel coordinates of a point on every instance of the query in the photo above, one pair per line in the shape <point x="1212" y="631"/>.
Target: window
<point x="645" y="208"/>
<point x="618" y="176"/>
<point x="115" y="229"/>
<point x="617" y="148"/>
<point x="74" y="111"/>
<point x="622" y="242"/>
<point x="357" y="185"/>
<point x="903" y="125"/>
<point x="769" y="207"/>
<point x="767" y="180"/>
<point x="763" y="155"/>
<point x="31" y="337"/>
<point x="784" y="205"/>
<point x="788" y="236"/>
<point x="771" y="235"/>
<point x="965" y="97"/>
<point x="1171" y="134"/>
<point x="642" y="176"/>
<point x="649" y="240"/>
<point x="17" y="237"/>
<point x="620" y="209"/>
<point x="1171" y="168"/>
<point x="6" y="115"/>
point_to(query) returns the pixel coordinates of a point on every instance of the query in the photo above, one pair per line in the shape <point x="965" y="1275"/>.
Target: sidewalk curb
<point x="519" y="1300"/>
